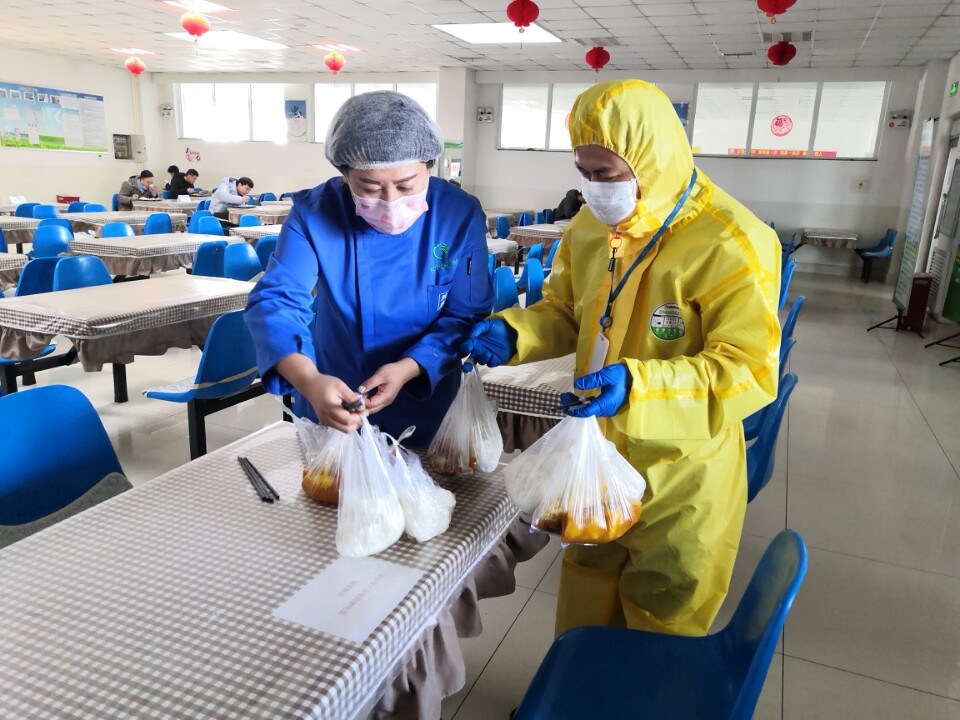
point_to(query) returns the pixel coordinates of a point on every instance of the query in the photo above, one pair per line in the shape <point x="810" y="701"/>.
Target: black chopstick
<point x="261" y="490"/>
<point x="260" y="478"/>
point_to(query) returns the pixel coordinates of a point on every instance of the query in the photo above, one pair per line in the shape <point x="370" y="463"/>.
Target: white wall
<point x="41" y="175"/>
<point x="792" y="193"/>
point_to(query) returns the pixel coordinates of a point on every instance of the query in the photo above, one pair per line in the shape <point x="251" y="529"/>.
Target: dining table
<point x="93" y="222"/>
<point x="528" y="397"/>
<point x="505" y="251"/>
<point x="252" y="233"/>
<point x="11" y="208"/>
<point x="144" y="254"/>
<point x="10" y="266"/>
<point x="190" y="597"/>
<point x="18" y="230"/>
<point x="113" y="323"/>
<point x="187" y="207"/>
<point x="829" y="238"/>
<point x="267" y="214"/>
<point x="530" y="235"/>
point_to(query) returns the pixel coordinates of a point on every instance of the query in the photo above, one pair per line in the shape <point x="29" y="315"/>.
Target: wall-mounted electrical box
<point x="484" y="115"/>
<point x="899" y="118"/>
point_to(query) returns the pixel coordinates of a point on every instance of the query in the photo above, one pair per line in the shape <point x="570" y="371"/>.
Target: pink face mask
<point x="391" y="218"/>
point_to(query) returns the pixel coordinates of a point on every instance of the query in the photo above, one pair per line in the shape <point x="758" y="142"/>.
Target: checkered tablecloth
<point x="505" y="250"/>
<point x="830" y="238"/>
<point x="18" y="230"/>
<point x="252" y="233"/>
<point x="529" y="235"/>
<point x="157" y="603"/>
<point x="268" y="214"/>
<point x="144" y="254"/>
<point x="143" y="318"/>
<point x="9" y="209"/>
<point x="530" y="389"/>
<point x="83" y="222"/>
<point x="187" y="207"/>
<point x="10" y="266"/>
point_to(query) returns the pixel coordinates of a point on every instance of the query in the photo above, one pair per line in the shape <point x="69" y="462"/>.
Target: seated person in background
<point x="136" y="187"/>
<point x="230" y="193"/>
<point x="173" y="170"/>
<point x="182" y="183"/>
<point x="569" y="206"/>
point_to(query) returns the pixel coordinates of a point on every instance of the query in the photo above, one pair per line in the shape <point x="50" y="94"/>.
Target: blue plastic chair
<point x="534" y="253"/>
<point x="228" y="368"/>
<point x="46" y="471"/>
<point x="50" y="240"/>
<point x="785" y="277"/>
<point x="79" y="271"/>
<point x="209" y="258"/>
<point x="240" y="261"/>
<point x="203" y="205"/>
<point x="791" y="322"/>
<point x="534" y="271"/>
<point x="249" y="220"/>
<point x="284" y="196"/>
<point x="25" y="209"/>
<point x="3" y="242"/>
<point x="503" y="227"/>
<point x="195" y="220"/>
<point x="61" y="221"/>
<point x="265" y="197"/>
<point x="525" y="219"/>
<point x="167" y="195"/>
<point x="548" y="266"/>
<point x="491" y="264"/>
<point x="548" y="215"/>
<point x="762" y="454"/>
<point x="157" y="223"/>
<point x="605" y="672"/>
<point x="115" y="202"/>
<point x="209" y="225"/>
<point x="265" y="248"/>
<point x="880" y="245"/>
<point x="117" y="229"/>
<point x="868" y="256"/>
<point x="36" y="276"/>
<point x="787" y="249"/>
<point x="541" y="218"/>
<point x="76" y="206"/>
<point x="41" y="212"/>
<point x="94" y="207"/>
<point x="504" y="289"/>
<point x="753" y="424"/>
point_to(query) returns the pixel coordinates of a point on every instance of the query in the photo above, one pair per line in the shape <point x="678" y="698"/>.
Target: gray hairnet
<point x="382" y="129"/>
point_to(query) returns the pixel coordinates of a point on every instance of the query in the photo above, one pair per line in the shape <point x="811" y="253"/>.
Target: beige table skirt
<point x="118" y="265"/>
<point x="8" y="278"/>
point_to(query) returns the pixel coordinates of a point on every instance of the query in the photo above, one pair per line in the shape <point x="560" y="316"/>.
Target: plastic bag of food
<point x="369" y="518"/>
<point x="468" y="438"/>
<point x="427" y="507"/>
<point x="323" y="450"/>
<point x="576" y="484"/>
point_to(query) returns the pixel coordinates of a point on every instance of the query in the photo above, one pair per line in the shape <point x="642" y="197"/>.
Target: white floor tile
<point x="529" y="574"/>
<point x="551" y="581"/>
<point x="769" y="705"/>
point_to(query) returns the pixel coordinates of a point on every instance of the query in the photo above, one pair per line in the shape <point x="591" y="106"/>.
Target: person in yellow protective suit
<point x="667" y="289"/>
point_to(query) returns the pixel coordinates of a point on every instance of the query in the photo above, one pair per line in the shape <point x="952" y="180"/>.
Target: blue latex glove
<point x="491" y="342"/>
<point x="614" y="382"/>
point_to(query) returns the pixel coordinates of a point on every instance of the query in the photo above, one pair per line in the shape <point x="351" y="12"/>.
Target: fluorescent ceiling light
<point x="497" y="33"/>
<point x="338" y="47"/>
<point x="132" y="51"/>
<point x="200" y="6"/>
<point x="231" y="40"/>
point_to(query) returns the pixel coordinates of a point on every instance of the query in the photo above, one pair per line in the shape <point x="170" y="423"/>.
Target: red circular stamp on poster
<point x="781" y="125"/>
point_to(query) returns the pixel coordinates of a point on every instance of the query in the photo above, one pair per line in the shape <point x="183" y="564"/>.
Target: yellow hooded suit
<point x="696" y="325"/>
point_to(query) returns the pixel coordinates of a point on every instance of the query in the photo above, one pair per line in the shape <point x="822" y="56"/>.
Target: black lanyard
<point x="607" y="320"/>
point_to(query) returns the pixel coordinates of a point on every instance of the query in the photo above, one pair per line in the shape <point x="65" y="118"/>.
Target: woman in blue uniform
<point x="398" y="261"/>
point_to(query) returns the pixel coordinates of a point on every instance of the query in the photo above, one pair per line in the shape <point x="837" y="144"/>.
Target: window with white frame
<point x="232" y="112"/>
<point x="523" y="117"/>
<point x="791" y="120"/>
<point x="329" y="97"/>
<point x="268" y="121"/>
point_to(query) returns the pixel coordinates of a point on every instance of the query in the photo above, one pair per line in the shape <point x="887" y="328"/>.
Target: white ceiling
<point x="396" y="35"/>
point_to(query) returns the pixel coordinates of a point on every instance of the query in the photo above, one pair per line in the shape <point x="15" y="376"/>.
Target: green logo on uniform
<point x="440" y="251"/>
<point x="666" y="322"/>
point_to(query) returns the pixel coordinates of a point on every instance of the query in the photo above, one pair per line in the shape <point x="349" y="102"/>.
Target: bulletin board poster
<point x="296" y="114"/>
<point x="51" y="119"/>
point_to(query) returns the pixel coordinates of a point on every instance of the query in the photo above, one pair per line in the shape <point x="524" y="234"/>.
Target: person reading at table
<point x="398" y="260"/>
<point x="136" y="187"/>
<point x="182" y="183"/>
<point x="231" y="192"/>
<point x="667" y="290"/>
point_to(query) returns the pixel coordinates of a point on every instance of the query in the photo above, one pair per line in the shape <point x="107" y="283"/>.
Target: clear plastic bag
<point x="576" y="484"/>
<point x="468" y="438"/>
<point x="369" y="518"/>
<point x="427" y="507"/>
<point x="323" y="450"/>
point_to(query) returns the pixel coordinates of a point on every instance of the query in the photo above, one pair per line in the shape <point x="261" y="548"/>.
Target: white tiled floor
<point x="867" y="471"/>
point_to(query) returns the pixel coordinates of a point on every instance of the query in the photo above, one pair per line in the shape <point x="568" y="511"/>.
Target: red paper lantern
<point x="334" y="61"/>
<point x="774" y="7"/>
<point x="195" y="24"/>
<point x="522" y="12"/>
<point x="597" y="57"/>
<point x="135" y="65"/>
<point x="781" y="53"/>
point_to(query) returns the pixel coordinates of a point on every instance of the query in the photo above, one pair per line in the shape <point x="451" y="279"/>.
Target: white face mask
<point x="610" y="202"/>
<point x="391" y="218"/>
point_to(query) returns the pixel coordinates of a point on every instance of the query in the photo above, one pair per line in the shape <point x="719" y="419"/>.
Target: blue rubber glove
<point x="614" y="382"/>
<point x="491" y="342"/>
